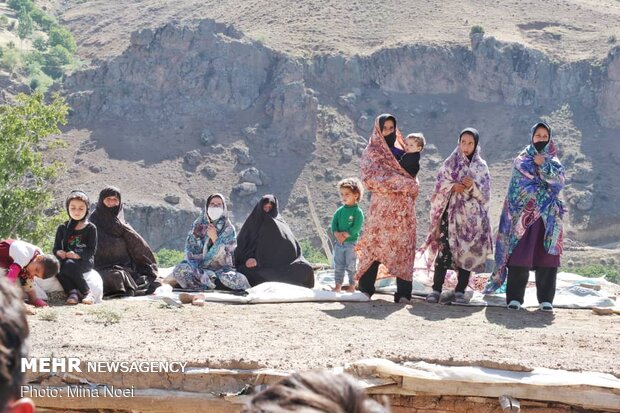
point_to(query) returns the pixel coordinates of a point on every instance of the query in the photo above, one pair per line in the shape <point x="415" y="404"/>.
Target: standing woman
<point x="389" y="235"/>
<point x="530" y="229"/>
<point x="459" y="237"/>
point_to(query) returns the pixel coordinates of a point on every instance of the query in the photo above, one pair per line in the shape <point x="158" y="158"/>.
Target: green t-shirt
<point x="348" y="219"/>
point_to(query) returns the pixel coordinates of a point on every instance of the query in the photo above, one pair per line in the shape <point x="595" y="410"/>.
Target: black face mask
<point x="540" y="145"/>
<point x="391" y="139"/>
<point x="114" y="210"/>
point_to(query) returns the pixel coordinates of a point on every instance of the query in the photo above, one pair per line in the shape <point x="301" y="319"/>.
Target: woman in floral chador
<point x="530" y="229"/>
<point x="209" y="252"/>
<point x="389" y="234"/>
<point x="460" y="233"/>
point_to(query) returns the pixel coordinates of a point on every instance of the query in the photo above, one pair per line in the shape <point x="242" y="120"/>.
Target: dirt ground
<point x="314" y="335"/>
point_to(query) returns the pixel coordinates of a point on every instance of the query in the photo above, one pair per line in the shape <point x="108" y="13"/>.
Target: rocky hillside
<point x="189" y="109"/>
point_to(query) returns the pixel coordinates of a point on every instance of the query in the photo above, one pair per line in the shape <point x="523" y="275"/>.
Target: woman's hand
<point x="61" y="254"/>
<point x="468" y="182"/>
<point x="72" y="256"/>
<point x="251" y="263"/>
<point x="539" y="159"/>
<point x="458" y="188"/>
<point x="212" y="233"/>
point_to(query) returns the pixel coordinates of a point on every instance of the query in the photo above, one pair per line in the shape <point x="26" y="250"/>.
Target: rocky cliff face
<point x="237" y="117"/>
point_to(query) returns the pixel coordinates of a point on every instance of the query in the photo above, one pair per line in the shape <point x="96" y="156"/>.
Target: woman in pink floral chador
<point x="389" y="235"/>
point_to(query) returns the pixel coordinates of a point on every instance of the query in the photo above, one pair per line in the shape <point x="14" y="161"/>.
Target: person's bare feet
<point x="351" y="288"/>
<point x="337" y="288"/>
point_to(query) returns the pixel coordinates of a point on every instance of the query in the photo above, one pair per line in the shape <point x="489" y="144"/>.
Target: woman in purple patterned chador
<point x="530" y="230"/>
<point x="460" y="233"/>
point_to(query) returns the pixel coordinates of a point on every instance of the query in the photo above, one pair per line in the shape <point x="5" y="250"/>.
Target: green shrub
<point x="21" y="6"/>
<point x="59" y="36"/>
<point x="24" y="28"/>
<point x="611" y="272"/>
<point x="4" y="21"/>
<point x="39" y="43"/>
<point x="55" y="60"/>
<point x="11" y="60"/>
<point x="169" y="258"/>
<point x="476" y="29"/>
<point x="44" y="20"/>
<point x="39" y="81"/>
<point x="313" y="255"/>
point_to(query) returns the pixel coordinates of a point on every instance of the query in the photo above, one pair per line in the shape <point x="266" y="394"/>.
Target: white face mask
<point x="215" y="212"/>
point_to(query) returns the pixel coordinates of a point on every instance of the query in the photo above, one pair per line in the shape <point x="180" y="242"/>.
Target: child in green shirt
<point x="346" y="226"/>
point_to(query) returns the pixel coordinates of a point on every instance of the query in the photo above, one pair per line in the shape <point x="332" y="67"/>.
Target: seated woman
<point x="123" y="258"/>
<point x="267" y="249"/>
<point x="209" y="250"/>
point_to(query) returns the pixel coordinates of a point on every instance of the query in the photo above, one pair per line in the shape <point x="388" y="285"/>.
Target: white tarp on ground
<point x="270" y="292"/>
<point x="51" y="285"/>
<point x="570" y="292"/>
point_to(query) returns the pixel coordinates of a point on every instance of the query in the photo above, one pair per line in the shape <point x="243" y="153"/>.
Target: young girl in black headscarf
<point x="75" y="246"/>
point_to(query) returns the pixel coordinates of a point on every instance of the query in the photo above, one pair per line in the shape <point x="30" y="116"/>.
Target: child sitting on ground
<point x="24" y="261"/>
<point x="346" y="226"/>
<point x="414" y="144"/>
<point x="75" y="246"/>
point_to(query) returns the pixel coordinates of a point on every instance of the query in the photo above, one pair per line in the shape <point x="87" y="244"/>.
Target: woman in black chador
<point x="267" y="249"/>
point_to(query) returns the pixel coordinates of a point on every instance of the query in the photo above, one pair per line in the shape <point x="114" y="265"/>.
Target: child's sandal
<point x="514" y="305"/>
<point x="88" y="299"/>
<point x="73" y="298"/>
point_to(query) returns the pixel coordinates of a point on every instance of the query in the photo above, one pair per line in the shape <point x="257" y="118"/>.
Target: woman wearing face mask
<point x="123" y="259"/>
<point x="209" y="251"/>
<point x="389" y="234"/>
<point x="530" y="230"/>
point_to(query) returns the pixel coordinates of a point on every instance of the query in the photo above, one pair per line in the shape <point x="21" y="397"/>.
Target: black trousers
<point x="71" y="276"/>
<point x="368" y="279"/>
<point x="517" y="282"/>
<point x="440" y="277"/>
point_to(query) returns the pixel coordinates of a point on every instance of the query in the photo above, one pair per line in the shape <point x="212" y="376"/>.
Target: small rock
<point x="192" y="159"/>
<point x="218" y="148"/>
<point x="329" y="174"/>
<point x="243" y="156"/>
<point x="172" y="199"/>
<point x="364" y="123"/>
<point x="200" y="202"/>
<point x="430" y="149"/>
<point x="245" y="189"/>
<point x="251" y="175"/>
<point x="209" y="172"/>
<point x="585" y="202"/>
<point x="95" y="169"/>
<point x="206" y="137"/>
<point x="347" y="154"/>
